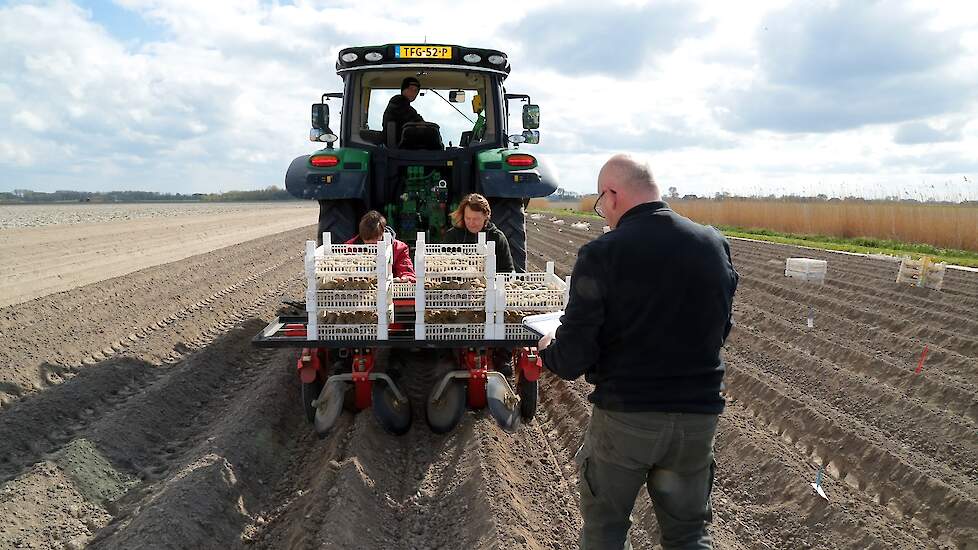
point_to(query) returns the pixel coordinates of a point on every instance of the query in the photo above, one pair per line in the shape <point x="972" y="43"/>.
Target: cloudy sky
<point x="859" y="97"/>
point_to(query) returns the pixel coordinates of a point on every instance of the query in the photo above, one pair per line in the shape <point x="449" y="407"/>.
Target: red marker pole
<point x="920" y="364"/>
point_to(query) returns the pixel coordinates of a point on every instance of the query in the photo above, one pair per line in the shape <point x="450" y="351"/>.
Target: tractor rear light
<point x="472" y="58"/>
<point x="324" y="161"/>
<point x="496" y="59"/>
<point x="349" y="57"/>
<point x="521" y="160"/>
<point x="373" y="56"/>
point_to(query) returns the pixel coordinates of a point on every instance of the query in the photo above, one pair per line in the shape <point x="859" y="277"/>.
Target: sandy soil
<point x="54" y="248"/>
<point x="136" y="414"/>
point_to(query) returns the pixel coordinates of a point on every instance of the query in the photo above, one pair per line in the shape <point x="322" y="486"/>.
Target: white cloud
<point x="219" y="98"/>
<point x="30" y="121"/>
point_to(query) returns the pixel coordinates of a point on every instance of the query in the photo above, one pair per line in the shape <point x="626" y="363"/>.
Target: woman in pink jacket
<point x="372" y="227"/>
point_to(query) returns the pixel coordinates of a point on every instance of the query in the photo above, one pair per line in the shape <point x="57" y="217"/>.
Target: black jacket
<point x="504" y="258"/>
<point x="399" y="111"/>
<point x="650" y="307"/>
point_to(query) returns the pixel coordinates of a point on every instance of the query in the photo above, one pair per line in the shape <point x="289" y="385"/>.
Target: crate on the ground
<point x="521" y="294"/>
<point x="454" y="277"/>
<point x="349" y="279"/>
<point x="806" y="269"/>
<point x="923" y="273"/>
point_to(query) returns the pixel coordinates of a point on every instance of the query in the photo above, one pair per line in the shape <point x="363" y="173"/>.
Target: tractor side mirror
<point x="456" y="96"/>
<point x="531" y="117"/>
<point x="532" y="136"/>
<point x="320" y="116"/>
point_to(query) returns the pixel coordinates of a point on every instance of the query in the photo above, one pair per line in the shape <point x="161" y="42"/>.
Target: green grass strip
<point x="862" y="245"/>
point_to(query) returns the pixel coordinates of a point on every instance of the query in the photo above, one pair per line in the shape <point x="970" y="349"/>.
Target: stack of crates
<point x="371" y="264"/>
<point x="806" y="269"/>
<point x="521" y="294"/>
<point x="472" y="268"/>
<point x="923" y="273"/>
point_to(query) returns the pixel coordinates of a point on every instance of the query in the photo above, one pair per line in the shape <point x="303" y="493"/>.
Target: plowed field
<point x="135" y="413"/>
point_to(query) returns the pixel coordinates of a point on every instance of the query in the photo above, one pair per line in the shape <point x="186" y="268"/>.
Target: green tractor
<point x="417" y="178"/>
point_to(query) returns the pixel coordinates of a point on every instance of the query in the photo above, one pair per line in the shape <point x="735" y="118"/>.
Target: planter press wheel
<point x="309" y="393"/>
<point x="529" y="392"/>
<point x="394" y="415"/>
<point x="442" y="416"/>
<point x="329" y="408"/>
<point x="505" y="412"/>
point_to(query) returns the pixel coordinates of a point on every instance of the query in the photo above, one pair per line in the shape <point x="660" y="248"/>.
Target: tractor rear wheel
<point x="339" y="218"/>
<point x="510" y="218"/>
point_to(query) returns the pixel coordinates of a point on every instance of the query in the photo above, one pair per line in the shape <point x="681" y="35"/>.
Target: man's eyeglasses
<point x="597" y="205"/>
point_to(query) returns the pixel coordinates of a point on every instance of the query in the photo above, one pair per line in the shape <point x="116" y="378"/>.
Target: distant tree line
<point x="272" y="193"/>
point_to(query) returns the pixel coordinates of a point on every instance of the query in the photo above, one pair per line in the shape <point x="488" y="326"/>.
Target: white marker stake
<point x="811" y="317"/>
<point x="818" y="484"/>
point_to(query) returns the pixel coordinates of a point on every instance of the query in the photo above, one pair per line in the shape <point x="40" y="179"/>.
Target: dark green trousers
<point x="671" y="454"/>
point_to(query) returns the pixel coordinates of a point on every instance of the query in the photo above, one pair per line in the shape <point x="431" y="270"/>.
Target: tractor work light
<point x="349" y="57"/>
<point x="324" y="161"/>
<point x="373" y="56"/>
<point x="472" y="58"/>
<point x="521" y="160"/>
<point x="496" y="59"/>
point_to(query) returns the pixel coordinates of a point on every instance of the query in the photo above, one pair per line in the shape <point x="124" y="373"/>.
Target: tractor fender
<point x="540" y="181"/>
<point x="304" y="181"/>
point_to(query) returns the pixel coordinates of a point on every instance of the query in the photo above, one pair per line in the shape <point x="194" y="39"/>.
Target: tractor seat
<point x="372" y="136"/>
<point x="421" y="135"/>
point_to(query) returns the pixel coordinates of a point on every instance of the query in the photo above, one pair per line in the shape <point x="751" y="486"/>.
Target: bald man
<point x="649" y="309"/>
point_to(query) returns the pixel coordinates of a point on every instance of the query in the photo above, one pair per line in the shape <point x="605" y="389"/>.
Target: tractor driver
<point x="399" y="110"/>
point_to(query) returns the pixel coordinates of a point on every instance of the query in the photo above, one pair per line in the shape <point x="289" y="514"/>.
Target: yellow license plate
<point x="423" y="52"/>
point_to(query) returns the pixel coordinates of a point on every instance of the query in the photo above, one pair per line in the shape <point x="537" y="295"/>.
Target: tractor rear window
<point x="459" y="122"/>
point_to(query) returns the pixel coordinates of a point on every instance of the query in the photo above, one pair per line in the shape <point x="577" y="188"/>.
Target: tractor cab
<point x="417" y="173"/>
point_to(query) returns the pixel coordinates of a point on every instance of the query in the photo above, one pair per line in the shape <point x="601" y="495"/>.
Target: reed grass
<point x="943" y="226"/>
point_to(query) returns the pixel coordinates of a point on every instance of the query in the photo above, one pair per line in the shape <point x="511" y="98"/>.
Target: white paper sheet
<point x="544" y="323"/>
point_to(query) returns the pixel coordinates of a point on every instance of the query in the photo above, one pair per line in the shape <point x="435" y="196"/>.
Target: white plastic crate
<point x="330" y="262"/>
<point x="356" y="331"/>
<point x="514" y="331"/>
<point x="353" y="260"/>
<point x="458" y="331"/>
<point x="460" y="260"/>
<point x="806" y="269"/>
<point x="922" y="273"/>
<point x="455" y="299"/>
<point x="402" y="291"/>
<point x="454" y="262"/>
<point x="542" y="300"/>
<point x="348" y="332"/>
<point x="528" y="301"/>
<point x="349" y="300"/>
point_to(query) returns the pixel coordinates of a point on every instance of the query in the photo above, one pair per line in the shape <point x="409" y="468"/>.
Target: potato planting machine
<point x="356" y="313"/>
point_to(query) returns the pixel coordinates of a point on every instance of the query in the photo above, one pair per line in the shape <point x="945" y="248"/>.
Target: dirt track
<point x="135" y="413"/>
